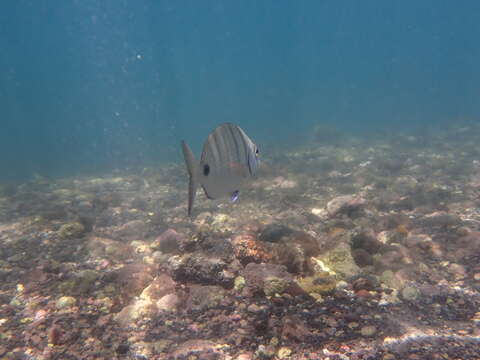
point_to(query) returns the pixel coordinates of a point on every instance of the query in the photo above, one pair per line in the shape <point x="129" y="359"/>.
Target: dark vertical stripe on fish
<point x="237" y="146"/>
<point x="245" y="146"/>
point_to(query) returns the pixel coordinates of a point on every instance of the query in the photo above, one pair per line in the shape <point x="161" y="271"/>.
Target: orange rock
<point x="402" y="229"/>
<point x="248" y="249"/>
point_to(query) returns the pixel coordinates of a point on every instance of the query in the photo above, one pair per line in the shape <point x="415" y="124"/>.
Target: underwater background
<point x="88" y="86"/>
<point x="354" y="233"/>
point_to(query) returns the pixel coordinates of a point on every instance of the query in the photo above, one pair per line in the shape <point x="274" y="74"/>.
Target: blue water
<point x="89" y="86"/>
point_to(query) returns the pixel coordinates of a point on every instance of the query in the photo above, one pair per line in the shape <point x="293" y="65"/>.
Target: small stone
<point x="54" y="335"/>
<point x="254" y="308"/>
<point x="161" y="345"/>
<point x="368" y="330"/>
<point x="353" y="325"/>
<point x="410" y="293"/>
<point x="363" y="293"/>
<point x="321" y="213"/>
<point x="265" y="352"/>
<point x="344" y="204"/>
<point x="457" y="270"/>
<point x="284" y="352"/>
<point x="386" y="237"/>
<point x="239" y="283"/>
<point x="65" y="302"/>
<point x="244" y="356"/>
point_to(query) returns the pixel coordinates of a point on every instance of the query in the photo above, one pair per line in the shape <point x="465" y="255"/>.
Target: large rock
<point x="277" y="244"/>
<point x="169" y="241"/>
<point x="162" y="285"/>
<point x="269" y="279"/>
<point x="131" y="279"/>
<point x="201" y="269"/>
<point x="247" y="248"/>
<point x="139" y="310"/>
<point x="346" y="204"/>
<point x="340" y="261"/>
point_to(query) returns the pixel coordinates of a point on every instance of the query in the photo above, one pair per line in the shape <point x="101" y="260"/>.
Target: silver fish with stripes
<point x="228" y="159"/>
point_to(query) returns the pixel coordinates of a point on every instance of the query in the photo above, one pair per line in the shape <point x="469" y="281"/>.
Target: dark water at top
<point x="88" y="86"/>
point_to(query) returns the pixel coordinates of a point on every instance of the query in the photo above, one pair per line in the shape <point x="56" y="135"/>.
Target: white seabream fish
<point x="228" y="159"/>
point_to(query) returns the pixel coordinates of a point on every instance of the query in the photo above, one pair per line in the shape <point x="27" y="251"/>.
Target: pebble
<point x="345" y="203"/>
<point x="284" y="352"/>
<point x="244" y="356"/>
<point x="368" y="330"/>
<point x="363" y="293"/>
<point x="65" y="302"/>
<point x="410" y="293"/>
<point x="253" y="308"/>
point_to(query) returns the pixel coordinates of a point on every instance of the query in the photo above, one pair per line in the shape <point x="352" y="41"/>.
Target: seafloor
<point x="343" y="248"/>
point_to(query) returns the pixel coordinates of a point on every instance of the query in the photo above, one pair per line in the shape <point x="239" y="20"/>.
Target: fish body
<point x="229" y="158"/>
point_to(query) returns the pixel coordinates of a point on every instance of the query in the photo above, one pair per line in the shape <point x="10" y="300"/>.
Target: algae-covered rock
<point x="65" y="302"/>
<point x="199" y="268"/>
<point x="239" y="283"/>
<point x="269" y="279"/>
<point x="389" y="279"/>
<point x="204" y="297"/>
<point x="71" y="230"/>
<point x="410" y="293"/>
<point x="81" y="283"/>
<point x="320" y="284"/>
<point x="275" y="285"/>
<point x="222" y="223"/>
<point x="340" y="261"/>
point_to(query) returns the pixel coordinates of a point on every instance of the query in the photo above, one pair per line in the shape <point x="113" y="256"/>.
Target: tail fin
<point x="192" y="173"/>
